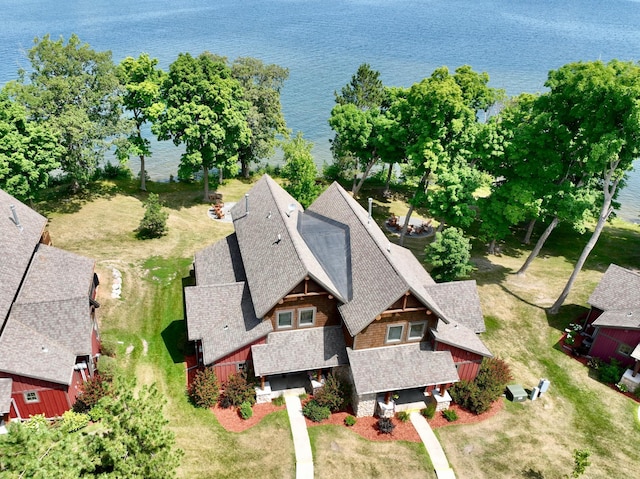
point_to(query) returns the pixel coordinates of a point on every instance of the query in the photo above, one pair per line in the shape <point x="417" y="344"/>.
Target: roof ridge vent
<point x="16" y="220"/>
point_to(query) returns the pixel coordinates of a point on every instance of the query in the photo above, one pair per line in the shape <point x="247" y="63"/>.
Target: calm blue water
<point x="322" y="42"/>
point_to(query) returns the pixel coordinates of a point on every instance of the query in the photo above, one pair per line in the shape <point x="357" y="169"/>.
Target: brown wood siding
<point x="54" y="398"/>
<point x="607" y="341"/>
<point x="467" y="363"/>
<point x="228" y="365"/>
<point x="348" y="339"/>
<point x="326" y="311"/>
<point x="375" y="335"/>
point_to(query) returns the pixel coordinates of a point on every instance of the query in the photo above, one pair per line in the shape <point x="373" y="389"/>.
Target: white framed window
<point x="417" y="330"/>
<point x="241" y="367"/>
<point x="31" y="397"/>
<point x="394" y="333"/>
<point x="306" y="317"/>
<point x="624" y="349"/>
<point x="285" y="319"/>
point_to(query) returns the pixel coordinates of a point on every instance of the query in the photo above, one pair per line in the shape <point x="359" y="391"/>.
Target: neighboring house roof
<point x="392" y="368"/>
<point x="16" y="247"/>
<point x="460" y="302"/>
<point x="27" y="352"/>
<point x="619" y="318"/>
<point x="618" y="289"/>
<point x="300" y="350"/>
<point x="5" y="395"/>
<point x="274" y="254"/>
<point x="222" y="316"/>
<point x="459" y="336"/>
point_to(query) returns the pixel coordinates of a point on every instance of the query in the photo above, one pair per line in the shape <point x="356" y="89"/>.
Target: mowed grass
<point x="531" y="440"/>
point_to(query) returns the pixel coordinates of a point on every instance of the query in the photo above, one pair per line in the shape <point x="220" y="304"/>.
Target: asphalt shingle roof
<point x="222" y="317"/>
<point x="220" y="263"/>
<point x="16" y="247"/>
<point x="5" y="395"/>
<point x="460" y="336"/>
<point x="300" y="350"/>
<point x="393" y="368"/>
<point x="274" y="255"/>
<point x="619" y="318"/>
<point x="619" y="288"/>
<point x="460" y="302"/>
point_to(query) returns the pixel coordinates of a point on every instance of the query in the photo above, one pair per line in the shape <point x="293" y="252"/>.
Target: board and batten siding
<point x="229" y="364"/>
<point x="467" y="363"/>
<point x="608" y="340"/>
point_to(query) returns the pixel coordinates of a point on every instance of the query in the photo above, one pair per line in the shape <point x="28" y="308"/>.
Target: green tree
<point x="141" y="82"/>
<point x="449" y="255"/>
<point x="75" y="91"/>
<point x="299" y="170"/>
<point x="580" y="462"/>
<point x="154" y="221"/>
<point x="28" y="151"/>
<point x="204" y="109"/>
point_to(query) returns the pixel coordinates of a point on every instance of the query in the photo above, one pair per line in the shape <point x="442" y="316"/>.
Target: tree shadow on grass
<point x="532" y="474"/>
<point x="569" y="313"/>
<point x="176" y="342"/>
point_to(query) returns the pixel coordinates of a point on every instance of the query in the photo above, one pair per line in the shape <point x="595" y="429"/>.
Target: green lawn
<point x="533" y="439"/>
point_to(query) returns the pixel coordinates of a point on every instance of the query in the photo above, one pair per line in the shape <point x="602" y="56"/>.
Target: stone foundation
<point x="629" y="381"/>
<point x="365" y="405"/>
<point x="263" y="395"/>
<point x="442" y="402"/>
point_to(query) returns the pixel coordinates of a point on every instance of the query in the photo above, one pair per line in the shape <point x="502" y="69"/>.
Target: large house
<point x="48" y="333"/>
<point x="613" y="322"/>
<point x="308" y="291"/>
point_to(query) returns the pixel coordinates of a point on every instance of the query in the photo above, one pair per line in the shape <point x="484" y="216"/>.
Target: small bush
<point x="97" y="412"/>
<point x="245" y="410"/>
<point x="403" y="416"/>
<point x="429" y="411"/>
<point x="450" y="415"/>
<point x="385" y="425"/>
<point x="239" y="390"/>
<point x="108" y="347"/>
<point x="636" y="393"/>
<point x="154" y="221"/>
<point x="93" y="390"/>
<point x="595" y="363"/>
<point x="350" y="421"/>
<point x="205" y="388"/>
<point x="478" y="395"/>
<point x="73" y="421"/>
<point x="303" y="396"/>
<point x="334" y="394"/>
<point x="225" y="402"/>
<point x="278" y="401"/>
<point x="610" y="373"/>
<point x="315" y="411"/>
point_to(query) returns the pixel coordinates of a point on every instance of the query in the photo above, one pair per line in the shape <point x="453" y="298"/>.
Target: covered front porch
<point x="411" y="400"/>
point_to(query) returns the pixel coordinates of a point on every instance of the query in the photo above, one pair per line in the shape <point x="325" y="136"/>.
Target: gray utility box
<point x="516" y="393"/>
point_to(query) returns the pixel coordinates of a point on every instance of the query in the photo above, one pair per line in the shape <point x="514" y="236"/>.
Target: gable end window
<point x="624" y="349"/>
<point x="285" y="319"/>
<point x="31" y="397"/>
<point x="394" y="333"/>
<point x="417" y="330"/>
<point x="306" y="317"/>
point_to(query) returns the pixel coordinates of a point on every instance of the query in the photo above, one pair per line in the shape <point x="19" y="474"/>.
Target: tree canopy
<point x="449" y="255"/>
<point x="299" y="170"/>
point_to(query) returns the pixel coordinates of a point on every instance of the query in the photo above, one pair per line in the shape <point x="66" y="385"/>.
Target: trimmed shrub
<point x="450" y="415"/>
<point x="205" y="388"/>
<point x="73" y="421"/>
<point x="478" y="395"/>
<point x="429" y="411"/>
<point x="315" y="411"/>
<point x="245" y="410"/>
<point x="350" y="421"/>
<point x="93" y="390"/>
<point x="386" y="425"/>
<point x="154" y="221"/>
<point x="303" y="396"/>
<point x="278" y="401"/>
<point x="334" y="394"/>
<point x="610" y="373"/>
<point x="225" y="402"/>
<point x="238" y="390"/>
<point x="403" y="416"/>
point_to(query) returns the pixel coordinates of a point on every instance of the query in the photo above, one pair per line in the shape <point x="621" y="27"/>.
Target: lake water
<point x="322" y="42"/>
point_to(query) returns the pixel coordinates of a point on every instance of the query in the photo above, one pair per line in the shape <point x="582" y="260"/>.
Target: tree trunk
<point x="422" y="185"/>
<point x="385" y="193"/>
<point x="356" y="187"/>
<point x="205" y="178"/>
<point x="244" y="166"/>
<point x="605" y="211"/>
<point x="492" y="247"/>
<point x="143" y="175"/>
<point x="536" y="250"/>
<point x="220" y="176"/>
<point x="527" y="237"/>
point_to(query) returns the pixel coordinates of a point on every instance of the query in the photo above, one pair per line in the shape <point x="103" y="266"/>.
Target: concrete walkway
<point x="301" y="443"/>
<point x="430" y="441"/>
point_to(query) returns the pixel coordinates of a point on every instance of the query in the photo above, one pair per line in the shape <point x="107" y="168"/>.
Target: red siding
<point x="95" y="343"/>
<point x="607" y="340"/>
<point x="54" y="399"/>
<point x="228" y="365"/>
<point x="467" y="363"/>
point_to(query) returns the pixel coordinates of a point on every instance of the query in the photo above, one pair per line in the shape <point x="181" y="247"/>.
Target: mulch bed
<point x="365" y="426"/>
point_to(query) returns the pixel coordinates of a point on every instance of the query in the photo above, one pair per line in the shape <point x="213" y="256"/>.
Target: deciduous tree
<point x="299" y="170"/>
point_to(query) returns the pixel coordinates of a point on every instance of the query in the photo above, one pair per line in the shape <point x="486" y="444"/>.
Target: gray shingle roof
<point x="460" y="336"/>
<point x="275" y="256"/>
<point x="5" y="395"/>
<point x="220" y="263"/>
<point x="394" y="368"/>
<point x="619" y="288"/>
<point x="460" y="302"/>
<point x="619" y="318"/>
<point x="300" y="350"/>
<point x="27" y="352"/>
<point x="222" y="316"/>
<point x="16" y="247"/>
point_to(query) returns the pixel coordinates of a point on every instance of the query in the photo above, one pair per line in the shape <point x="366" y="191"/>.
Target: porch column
<point x="443" y="389"/>
<point x="262" y="382"/>
<point x="387" y="397"/>
<point x="636" y="368"/>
